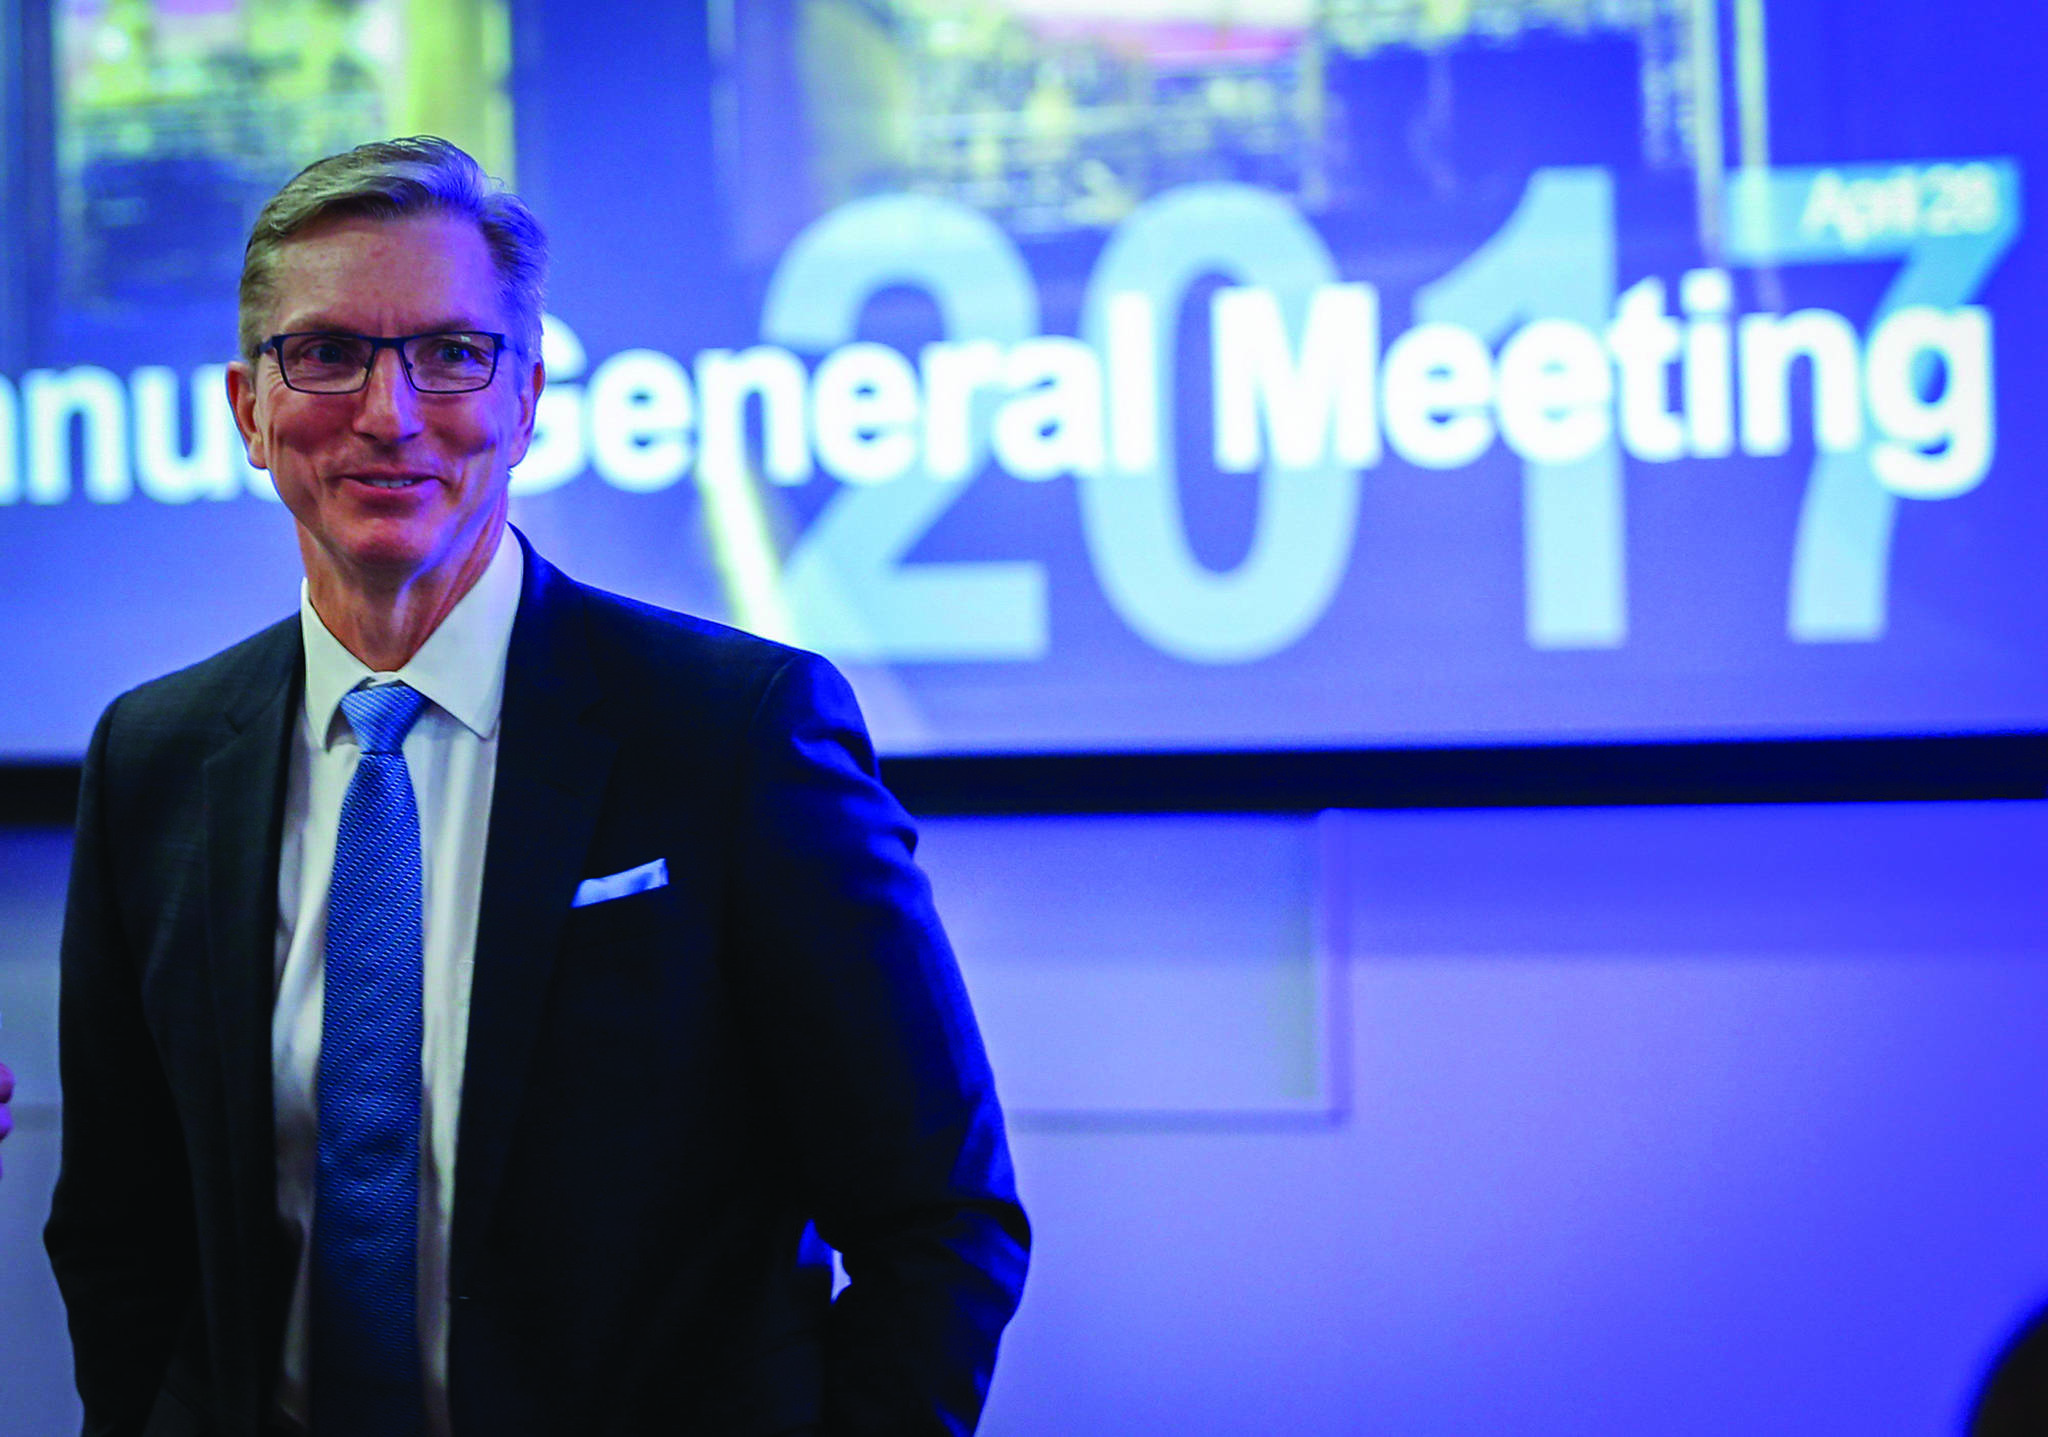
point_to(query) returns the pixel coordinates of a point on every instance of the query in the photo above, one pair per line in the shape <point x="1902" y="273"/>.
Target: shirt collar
<point x="460" y="668"/>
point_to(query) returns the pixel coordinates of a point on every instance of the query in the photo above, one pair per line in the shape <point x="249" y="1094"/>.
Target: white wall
<point x="1661" y="1121"/>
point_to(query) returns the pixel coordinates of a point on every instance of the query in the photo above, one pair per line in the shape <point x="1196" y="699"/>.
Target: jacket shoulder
<point x="160" y="732"/>
<point x="202" y="693"/>
<point x="638" y="647"/>
<point x="266" y="655"/>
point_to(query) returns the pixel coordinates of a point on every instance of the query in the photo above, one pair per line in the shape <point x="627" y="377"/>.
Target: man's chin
<point x="395" y="555"/>
<point x="384" y="557"/>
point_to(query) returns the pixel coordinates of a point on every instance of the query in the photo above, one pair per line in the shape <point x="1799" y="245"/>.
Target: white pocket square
<point x="653" y="874"/>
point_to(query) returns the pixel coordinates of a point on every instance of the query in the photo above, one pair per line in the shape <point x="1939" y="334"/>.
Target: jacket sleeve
<point x="880" y="1069"/>
<point x="121" y="1233"/>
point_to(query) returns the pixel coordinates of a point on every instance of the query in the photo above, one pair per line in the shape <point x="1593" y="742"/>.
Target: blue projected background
<point x="1126" y="375"/>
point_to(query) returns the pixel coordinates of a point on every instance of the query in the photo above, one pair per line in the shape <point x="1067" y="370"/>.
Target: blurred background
<point x="1455" y="584"/>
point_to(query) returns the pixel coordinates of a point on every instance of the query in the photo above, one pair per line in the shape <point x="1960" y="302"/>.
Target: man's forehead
<point x="435" y="268"/>
<point x="438" y="227"/>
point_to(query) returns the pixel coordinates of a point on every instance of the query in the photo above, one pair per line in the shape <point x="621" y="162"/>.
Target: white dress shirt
<point x="452" y="755"/>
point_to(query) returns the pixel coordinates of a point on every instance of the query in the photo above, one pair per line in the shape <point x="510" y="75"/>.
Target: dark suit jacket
<point x="668" y="1098"/>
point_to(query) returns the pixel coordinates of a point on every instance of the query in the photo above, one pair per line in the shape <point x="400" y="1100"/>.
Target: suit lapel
<point x="244" y="798"/>
<point x="551" y="774"/>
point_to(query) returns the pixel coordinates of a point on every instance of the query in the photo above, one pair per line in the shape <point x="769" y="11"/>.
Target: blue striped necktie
<point x="365" y="1370"/>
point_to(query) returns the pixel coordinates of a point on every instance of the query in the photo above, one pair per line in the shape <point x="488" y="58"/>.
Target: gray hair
<point x="389" y="180"/>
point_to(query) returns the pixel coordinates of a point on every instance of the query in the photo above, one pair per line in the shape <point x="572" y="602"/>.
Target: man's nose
<point x="390" y="408"/>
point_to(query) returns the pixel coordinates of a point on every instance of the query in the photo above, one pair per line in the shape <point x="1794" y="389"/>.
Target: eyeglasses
<point x="319" y="362"/>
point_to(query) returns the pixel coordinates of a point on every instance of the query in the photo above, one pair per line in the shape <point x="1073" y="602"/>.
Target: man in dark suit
<point x="487" y="1001"/>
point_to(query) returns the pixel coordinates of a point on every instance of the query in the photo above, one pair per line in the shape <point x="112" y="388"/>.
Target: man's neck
<point x="384" y="622"/>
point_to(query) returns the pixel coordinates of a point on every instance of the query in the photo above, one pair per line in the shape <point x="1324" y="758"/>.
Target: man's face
<point x="389" y="486"/>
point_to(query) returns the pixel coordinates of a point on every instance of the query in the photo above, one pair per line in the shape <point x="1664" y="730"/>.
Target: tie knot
<point x="381" y="716"/>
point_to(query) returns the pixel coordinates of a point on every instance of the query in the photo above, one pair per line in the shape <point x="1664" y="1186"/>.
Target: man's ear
<point x="242" y="400"/>
<point x="531" y="384"/>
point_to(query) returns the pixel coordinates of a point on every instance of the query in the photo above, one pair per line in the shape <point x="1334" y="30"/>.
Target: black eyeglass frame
<point x="379" y="343"/>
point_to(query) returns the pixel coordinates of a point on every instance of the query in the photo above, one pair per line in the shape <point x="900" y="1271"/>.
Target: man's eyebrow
<point x="324" y="324"/>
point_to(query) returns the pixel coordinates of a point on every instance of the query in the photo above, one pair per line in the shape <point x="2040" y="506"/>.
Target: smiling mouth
<point x="406" y="481"/>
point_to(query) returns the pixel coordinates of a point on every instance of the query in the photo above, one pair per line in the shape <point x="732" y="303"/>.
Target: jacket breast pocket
<point x="646" y="916"/>
<point x="630" y="970"/>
